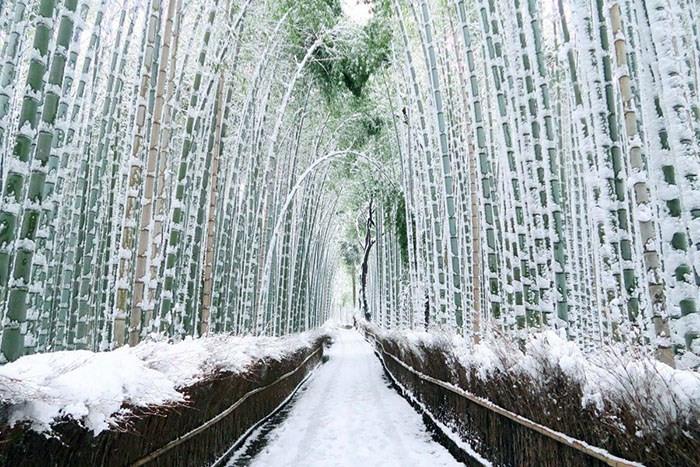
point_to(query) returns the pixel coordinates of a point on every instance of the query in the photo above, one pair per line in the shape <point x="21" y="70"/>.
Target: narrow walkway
<point x="348" y="415"/>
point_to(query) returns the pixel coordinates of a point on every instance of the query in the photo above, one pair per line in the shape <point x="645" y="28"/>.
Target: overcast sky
<point x="356" y="10"/>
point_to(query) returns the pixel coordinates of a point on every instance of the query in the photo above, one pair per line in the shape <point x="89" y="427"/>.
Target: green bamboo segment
<point x="142" y="295"/>
<point x="103" y="201"/>
<point x="679" y="169"/>
<point x="173" y="170"/>
<point x="642" y="195"/>
<point x="428" y="187"/>
<point x="52" y="187"/>
<point x="177" y="214"/>
<point x="555" y="186"/>
<point x="454" y="262"/>
<point x="7" y="76"/>
<point x="86" y="320"/>
<point x="128" y="235"/>
<point x="18" y="224"/>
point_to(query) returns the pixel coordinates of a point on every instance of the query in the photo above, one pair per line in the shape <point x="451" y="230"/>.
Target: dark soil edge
<point x="240" y="442"/>
<point x="438" y="434"/>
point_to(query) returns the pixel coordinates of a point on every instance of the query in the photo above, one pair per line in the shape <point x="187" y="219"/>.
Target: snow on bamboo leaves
<point x="538" y="169"/>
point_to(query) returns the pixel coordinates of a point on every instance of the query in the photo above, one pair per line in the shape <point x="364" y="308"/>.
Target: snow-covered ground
<point x="349" y="416"/>
<point x="93" y="387"/>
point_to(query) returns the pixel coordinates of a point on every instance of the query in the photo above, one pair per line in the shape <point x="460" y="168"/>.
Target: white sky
<point x="356" y="10"/>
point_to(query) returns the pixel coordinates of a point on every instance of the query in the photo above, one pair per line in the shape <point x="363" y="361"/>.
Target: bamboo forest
<point x="477" y="187"/>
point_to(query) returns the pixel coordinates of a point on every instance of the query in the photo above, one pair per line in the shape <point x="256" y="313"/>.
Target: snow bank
<point x="93" y="387"/>
<point x="416" y="341"/>
<point x="612" y="378"/>
<point x="609" y="378"/>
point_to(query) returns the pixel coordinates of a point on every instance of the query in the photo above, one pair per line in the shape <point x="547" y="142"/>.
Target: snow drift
<point x="94" y="388"/>
<point x="616" y="398"/>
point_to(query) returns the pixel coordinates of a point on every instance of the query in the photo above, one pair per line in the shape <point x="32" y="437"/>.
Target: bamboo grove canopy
<point x="490" y="166"/>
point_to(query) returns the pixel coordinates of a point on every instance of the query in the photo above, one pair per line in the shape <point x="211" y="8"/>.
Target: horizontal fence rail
<point x="240" y="442"/>
<point x="205" y="426"/>
<point x="581" y="446"/>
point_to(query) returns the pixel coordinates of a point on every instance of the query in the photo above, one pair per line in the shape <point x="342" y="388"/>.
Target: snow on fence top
<point x="94" y="387"/>
<point x="610" y="377"/>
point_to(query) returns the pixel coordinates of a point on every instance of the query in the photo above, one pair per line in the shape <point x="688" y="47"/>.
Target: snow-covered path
<point x="349" y="416"/>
